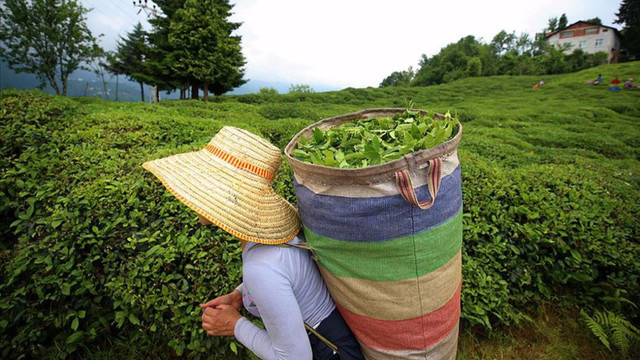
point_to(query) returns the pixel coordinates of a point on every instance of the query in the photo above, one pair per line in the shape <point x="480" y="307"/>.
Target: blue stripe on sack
<point x="378" y="218"/>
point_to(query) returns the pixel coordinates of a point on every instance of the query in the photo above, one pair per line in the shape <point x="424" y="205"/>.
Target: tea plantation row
<point x="95" y="254"/>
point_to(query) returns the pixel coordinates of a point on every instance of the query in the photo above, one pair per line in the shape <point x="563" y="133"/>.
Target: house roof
<point x="549" y="34"/>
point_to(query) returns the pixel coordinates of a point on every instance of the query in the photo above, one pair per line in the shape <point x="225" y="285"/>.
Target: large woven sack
<point x="388" y="241"/>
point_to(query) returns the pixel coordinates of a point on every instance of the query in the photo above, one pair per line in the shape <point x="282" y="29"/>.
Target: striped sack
<point x="388" y="241"/>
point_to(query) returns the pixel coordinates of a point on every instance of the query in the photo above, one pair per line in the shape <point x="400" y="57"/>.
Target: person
<point x="228" y="183"/>
<point x="628" y="84"/>
<point x="539" y="84"/>
<point x="598" y="80"/>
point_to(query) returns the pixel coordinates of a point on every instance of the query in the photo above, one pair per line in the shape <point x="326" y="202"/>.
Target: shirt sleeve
<point x="285" y="336"/>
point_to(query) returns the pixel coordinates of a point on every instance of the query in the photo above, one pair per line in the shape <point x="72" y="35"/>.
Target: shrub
<point x="277" y="111"/>
<point x="267" y="91"/>
<point x="98" y="251"/>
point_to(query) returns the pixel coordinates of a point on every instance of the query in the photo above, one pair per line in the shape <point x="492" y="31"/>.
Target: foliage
<point x="277" y="111"/>
<point x="267" y="90"/>
<point x="162" y="55"/>
<point x="300" y="88"/>
<point x="398" y="78"/>
<point x="96" y="255"/>
<point x="613" y="329"/>
<point x="373" y="141"/>
<point x="629" y="15"/>
<point x="48" y="38"/>
<point x="506" y="54"/>
<point x="130" y="57"/>
<point x="210" y="54"/>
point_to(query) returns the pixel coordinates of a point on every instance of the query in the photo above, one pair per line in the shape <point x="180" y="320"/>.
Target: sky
<point x="334" y="44"/>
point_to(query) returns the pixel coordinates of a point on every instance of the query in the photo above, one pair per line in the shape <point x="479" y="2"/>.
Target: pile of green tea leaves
<point x="373" y="141"/>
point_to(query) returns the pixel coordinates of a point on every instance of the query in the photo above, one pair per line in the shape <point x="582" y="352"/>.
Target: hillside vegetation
<point x="98" y="258"/>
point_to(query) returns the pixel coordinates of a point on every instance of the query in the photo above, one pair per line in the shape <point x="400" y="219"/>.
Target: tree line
<point x="511" y="54"/>
<point x="191" y="45"/>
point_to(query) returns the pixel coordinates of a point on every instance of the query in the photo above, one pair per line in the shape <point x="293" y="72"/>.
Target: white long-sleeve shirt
<point x="283" y="286"/>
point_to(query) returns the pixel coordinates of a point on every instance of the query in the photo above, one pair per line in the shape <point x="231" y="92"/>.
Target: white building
<point x="590" y="38"/>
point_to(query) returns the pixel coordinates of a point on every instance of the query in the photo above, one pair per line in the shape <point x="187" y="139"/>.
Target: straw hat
<point x="229" y="183"/>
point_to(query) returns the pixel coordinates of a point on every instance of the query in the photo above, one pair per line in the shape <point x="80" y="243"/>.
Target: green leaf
<point x="65" y="288"/>
<point x="329" y="160"/>
<point x="75" y="337"/>
<point x="233" y="347"/>
<point x="74" y="324"/>
<point x="318" y="135"/>
<point x="134" y="319"/>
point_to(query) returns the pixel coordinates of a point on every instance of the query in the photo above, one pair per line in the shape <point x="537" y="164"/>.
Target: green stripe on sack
<point x="398" y="259"/>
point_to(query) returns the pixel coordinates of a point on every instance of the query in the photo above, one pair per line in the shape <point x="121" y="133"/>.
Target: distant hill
<point x="86" y="83"/>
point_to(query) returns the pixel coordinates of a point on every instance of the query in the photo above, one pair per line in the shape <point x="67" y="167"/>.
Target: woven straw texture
<point x="393" y="268"/>
<point x="229" y="183"/>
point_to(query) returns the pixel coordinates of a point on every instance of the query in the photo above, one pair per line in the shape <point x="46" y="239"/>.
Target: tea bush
<point x="94" y="249"/>
<point x="96" y="254"/>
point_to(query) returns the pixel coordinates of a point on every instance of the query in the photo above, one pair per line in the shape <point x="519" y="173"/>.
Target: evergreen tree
<point x="209" y="51"/>
<point x="563" y="22"/>
<point x="629" y="15"/>
<point x="130" y="58"/>
<point x="48" y="38"/>
<point x="162" y="55"/>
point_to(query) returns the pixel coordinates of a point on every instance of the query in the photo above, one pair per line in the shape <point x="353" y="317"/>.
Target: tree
<point x="504" y="42"/>
<point x="48" y="38"/>
<point x="553" y="24"/>
<point x="300" y="88"/>
<point x="130" y="58"/>
<point x="162" y="55"/>
<point x="629" y="15"/>
<point x="268" y="90"/>
<point x="398" y="78"/>
<point x="474" y="67"/>
<point x="563" y="22"/>
<point x="595" y="20"/>
<point x="209" y="53"/>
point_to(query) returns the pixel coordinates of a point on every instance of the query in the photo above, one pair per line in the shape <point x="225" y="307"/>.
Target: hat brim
<point x="238" y="201"/>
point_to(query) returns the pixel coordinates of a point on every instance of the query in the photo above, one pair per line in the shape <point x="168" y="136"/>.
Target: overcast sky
<point x="357" y="43"/>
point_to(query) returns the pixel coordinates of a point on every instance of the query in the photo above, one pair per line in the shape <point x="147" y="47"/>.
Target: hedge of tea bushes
<point x="97" y="255"/>
<point x="94" y="249"/>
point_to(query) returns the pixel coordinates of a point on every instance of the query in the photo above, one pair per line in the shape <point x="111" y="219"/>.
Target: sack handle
<point x="403" y="182"/>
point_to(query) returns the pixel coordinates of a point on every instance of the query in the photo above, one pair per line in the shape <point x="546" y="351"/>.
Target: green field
<point x="99" y="261"/>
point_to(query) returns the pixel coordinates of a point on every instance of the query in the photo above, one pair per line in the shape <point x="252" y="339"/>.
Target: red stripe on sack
<point x="438" y="173"/>
<point x="235" y="162"/>
<point x="413" y="334"/>
<point x="402" y="184"/>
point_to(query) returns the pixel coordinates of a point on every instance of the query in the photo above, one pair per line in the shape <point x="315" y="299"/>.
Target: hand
<point x="233" y="299"/>
<point x="220" y="320"/>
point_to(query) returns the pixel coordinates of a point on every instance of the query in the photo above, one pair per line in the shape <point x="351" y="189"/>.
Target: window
<point x="591" y="31"/>
<point x="599" y="42"/>
<point x="567" y="34"/>
<point x="582" y="44"/>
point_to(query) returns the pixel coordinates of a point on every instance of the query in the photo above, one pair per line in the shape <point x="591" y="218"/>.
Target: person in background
<point x="598" y="80"/>
<point x="628" y="84"/>
<point x="228" y="183"/>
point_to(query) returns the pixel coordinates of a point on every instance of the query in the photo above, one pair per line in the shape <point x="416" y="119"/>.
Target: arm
<point x="285" y="336"/>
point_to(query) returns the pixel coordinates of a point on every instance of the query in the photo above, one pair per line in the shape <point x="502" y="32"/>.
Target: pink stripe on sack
<point x="413" y="334"/>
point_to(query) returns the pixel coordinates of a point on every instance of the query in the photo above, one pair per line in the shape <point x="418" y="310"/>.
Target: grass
<point x="556" y="333"/>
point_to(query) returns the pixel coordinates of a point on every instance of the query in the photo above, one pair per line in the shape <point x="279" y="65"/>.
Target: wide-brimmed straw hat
<point x="229" y="183"/>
